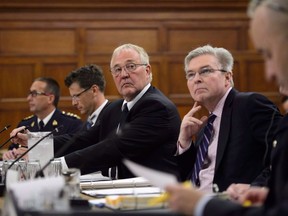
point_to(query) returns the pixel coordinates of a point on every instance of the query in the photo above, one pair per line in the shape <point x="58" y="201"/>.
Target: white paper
<point x="93" y="177"/>
<point x="157" y="178"/>
<point x="119" y="183"/>
<point x="123" y="191"/>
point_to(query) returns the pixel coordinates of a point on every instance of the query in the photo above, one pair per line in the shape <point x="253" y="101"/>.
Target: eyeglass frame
<point x="36" y="93"/>
<point x="203" y="72"/>
<point x="76" y="97"/>
<point x="116" y="74"/>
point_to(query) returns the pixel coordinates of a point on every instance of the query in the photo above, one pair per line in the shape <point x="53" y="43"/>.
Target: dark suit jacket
<point x="148" y="137"/>
<point x="277" y="200"/>
<point x="242" y="145"/>
<point x="71" y="124"/>
<point x="83" y="138"/>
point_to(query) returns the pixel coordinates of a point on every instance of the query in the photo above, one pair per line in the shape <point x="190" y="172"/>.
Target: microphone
<point x="33" y="146"/>
<point x="5" y="128"/>
<point x="26" y="127"/>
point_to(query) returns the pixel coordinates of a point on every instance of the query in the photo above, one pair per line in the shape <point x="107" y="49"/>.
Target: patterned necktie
<point x="203" y="149"/>
<point x="89" y="122"/>
<point x="41" y="125"/>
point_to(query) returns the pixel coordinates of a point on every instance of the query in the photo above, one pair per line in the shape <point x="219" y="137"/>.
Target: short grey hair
<point x="276" y="5"/>
<point x="142" y="53"/>
<point x="224" y="57"/>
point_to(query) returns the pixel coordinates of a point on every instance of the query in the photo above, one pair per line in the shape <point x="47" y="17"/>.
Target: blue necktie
<point x="89" y="122"/>
<point x="203" y="150"/>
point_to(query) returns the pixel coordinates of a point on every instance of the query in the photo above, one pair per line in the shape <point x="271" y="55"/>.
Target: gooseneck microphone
<point x="5" y="128"/>
<point x="3" y="144"/>
<point x="33" y="146"/>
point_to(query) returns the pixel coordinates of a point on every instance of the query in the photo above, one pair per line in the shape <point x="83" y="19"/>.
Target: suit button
<point x="274" y="143"/>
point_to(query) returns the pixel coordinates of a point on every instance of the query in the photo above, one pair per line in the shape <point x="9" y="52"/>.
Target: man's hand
<point x="235" y="191"/>
<point x="15" y="153"/>
<point x="20" y="136"/>
<point x="190" y="126"/>
<point x="254" y="195"/>
<point x="183" y="199"/>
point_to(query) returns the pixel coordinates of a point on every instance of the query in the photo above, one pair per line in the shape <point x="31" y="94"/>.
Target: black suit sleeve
<point x="148" y="136"/>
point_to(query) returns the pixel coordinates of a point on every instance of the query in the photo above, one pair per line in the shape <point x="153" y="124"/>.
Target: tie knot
<point x="125" y="108"/>
<point x="41" y="125"/>
<point x="211" y="118"/>
<point x="90" y="122"/>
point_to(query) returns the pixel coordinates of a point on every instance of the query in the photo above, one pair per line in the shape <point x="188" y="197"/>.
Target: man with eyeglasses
<point x="268" y="29"/>
<point x="43" y="99"/>
<point x="235" y="148"/>
<point x="147" y="133"/>
<point x="86" y="86"/>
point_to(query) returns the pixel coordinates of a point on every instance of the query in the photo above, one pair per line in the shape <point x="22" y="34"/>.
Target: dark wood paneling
<point x="55" y="37"/>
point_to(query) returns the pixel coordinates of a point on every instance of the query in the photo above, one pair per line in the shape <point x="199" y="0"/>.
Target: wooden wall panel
<point x="37" y="42"/>
<point x="105" y="41"/>
<point x="13" y="86"/>
<point x="184" y="40"/>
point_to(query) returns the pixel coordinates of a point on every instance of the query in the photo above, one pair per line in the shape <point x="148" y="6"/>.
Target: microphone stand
<point x="5" y="128"/>
<point x="26" y="127"/>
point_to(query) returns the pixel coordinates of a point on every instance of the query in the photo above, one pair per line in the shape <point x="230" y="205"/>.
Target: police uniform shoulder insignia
<point x="54" y="123"/>
<point x="71" y="114"/>
<point x="28" y="117"/>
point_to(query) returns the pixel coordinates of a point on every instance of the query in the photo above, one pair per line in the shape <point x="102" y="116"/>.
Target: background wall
<point x="52" y="38"/>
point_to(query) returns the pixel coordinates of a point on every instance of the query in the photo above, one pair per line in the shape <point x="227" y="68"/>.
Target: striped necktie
<point x="203" y="150"/>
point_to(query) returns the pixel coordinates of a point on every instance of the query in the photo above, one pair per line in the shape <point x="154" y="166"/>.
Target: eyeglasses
<point x="35" y="93"/>
<point x="130" y="67"/>
<point x="76" y="97"/>
<point x="203" y="72"/>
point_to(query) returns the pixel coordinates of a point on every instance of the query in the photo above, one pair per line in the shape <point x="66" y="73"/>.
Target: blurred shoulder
<point x="70" y="115"/>
<point x="28" y="121"/>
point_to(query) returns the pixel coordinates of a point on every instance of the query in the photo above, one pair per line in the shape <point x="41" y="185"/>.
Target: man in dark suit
<point x="269" y="32"/>
<point x="43" y="99"/>
<point x="242" y="127"/>
<point x="149" y="131"/>
<point x="86" y="87"/>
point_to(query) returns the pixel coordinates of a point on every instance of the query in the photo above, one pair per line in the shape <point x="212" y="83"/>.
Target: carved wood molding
<point x="123" y="5"/>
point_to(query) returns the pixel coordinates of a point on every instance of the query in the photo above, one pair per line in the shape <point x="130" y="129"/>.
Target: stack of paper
<point x="99" y="193"/>
<point x="121" y="183"/>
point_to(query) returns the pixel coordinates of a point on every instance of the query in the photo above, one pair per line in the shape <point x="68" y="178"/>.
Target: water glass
<point x="72" y="182"/>
<point x="33" y="166"/>
<point x="54" y="168"/>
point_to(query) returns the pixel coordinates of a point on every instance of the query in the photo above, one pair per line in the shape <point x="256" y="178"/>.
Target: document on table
<point x="120" y="183"/>
<point x="156" y="177"/>
<point x="122" y="191"/>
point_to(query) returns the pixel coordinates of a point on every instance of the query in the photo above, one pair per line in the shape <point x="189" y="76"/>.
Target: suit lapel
<point x="225" y="126"/>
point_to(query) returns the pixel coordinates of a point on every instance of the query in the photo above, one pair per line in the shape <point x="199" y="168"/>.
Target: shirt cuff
<point x="181" y="150"/>
<point x="199" y="210"/>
